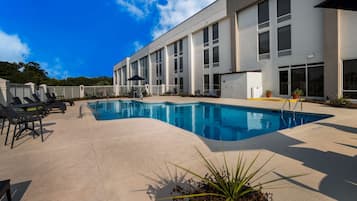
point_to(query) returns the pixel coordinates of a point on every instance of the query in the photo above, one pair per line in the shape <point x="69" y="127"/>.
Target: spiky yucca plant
<point x="231" y="184"/>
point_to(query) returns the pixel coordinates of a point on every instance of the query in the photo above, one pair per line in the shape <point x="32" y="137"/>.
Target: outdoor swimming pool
<point x="212" y="121"/>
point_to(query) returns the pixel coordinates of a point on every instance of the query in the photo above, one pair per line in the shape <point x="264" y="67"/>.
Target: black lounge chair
<point x="50" y="105"/>
<point x="3" y="120"/>
<point x="38" y="107"/>
<point x="5" y="189"/>
<point x="52" y="97"/>
<point x="18" y="118"/>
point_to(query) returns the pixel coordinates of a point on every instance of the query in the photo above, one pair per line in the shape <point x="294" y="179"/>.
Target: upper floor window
<point x="263" y="11"/>
<point x="181" y="46"/>
<point x="206" y="58"/>
<point x="175" y="65"/>
<point x="175" y="49"/>
<point x="215" y="55"/>
<point x="284" y="40"/>
<point x="205" y="36"/>
<point x="283" y="7"/>
<point x="215" y="33"/>
<point x="181" y="64"/>
<point x="264" y="45"/>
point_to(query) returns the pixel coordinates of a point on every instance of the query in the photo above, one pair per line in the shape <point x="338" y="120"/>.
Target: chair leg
<point x="13" y="137"/>
<point x="8" y="195"/>
<point x="7" y="133"/>
<point x="33" y="127"/>
<point x="41" y="130"/>
<point x="2" y="125"/>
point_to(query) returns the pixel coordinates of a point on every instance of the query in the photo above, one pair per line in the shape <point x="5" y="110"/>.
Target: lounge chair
<point x="38" y="107"/>
<point x="52" y="97"/>
<point x="19" y="118"/>
<point x="5" y="189"/>
<point x="58" y="105"/>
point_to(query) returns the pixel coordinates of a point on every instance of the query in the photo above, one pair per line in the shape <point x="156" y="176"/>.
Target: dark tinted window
<point x="215" y="55"/>
<point x="264" y="46"/>
<point x="216" y="81"/>
<point x="175" y="64"/>
<point x="181" y="64"/>
<point x="206" y="82"/>
<point x="316" y="82"/>
<point x="284" y="82"/>
<point x="215" y="33"/>
<point x="284" y="38"/>
<point x="263" y="11"/>
<point x="175" y="48"/>
<point x="283" y="7"/>
<point x="205" y="35"/>
<point x="206" y="56"/>
<point x="181" y="46"/>
<point x="350" y="74"/>
<point x="181" y="83"/>
<point x="298" y="80"/>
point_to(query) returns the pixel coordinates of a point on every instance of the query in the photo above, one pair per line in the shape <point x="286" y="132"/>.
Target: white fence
<point x="65" y="92"/>
<point x="19" y="90"/>
<point x="99" y="91"/>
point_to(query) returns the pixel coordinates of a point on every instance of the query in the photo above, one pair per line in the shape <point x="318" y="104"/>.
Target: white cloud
<point x="137" y="45"/>
<point x="56" y="69"/>
<point x="12" y="49"/>
<point x="175" y="12"/>
<point x="137" y="8"/>
<point x="170" y="13"/>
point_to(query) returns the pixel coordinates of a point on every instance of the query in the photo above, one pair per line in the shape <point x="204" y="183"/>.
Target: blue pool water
<point x="212" y="121"/>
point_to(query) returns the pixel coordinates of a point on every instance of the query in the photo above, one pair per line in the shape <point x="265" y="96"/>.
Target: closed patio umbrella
<point x="136" y="78"/>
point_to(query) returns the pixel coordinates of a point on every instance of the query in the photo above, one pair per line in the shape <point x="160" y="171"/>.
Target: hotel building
<point x="241" y="48"/>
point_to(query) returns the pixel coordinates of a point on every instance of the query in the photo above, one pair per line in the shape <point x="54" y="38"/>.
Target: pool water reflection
<point x="212" y="121"/>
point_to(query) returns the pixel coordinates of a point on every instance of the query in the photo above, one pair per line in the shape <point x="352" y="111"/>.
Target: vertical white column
<point x="127" y="73"/>
<point x="32" y="86"/>
<point x="166" y="66"/>
<point x="4" y="87"/>
<point x="139" y="71"/>
<point x="150" y="73"/>
<point x="81" y="91"/>
<point x="191" y="69"/>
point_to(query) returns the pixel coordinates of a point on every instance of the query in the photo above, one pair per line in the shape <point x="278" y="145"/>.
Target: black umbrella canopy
<point x="339" y="4"/>
<point x="136" y="78"/>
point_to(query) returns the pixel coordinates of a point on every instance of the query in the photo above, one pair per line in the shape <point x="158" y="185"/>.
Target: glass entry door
<point x="298" y="80"/>
<point x="284" y="82"/>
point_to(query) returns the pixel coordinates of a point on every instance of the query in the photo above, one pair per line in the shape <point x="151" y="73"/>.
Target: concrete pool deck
<point x="85" y="159"/>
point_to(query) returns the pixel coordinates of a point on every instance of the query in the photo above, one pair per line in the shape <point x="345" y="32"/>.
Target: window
<point x="157" y="82"/>
<point x="298" y="79"/>
<point x="315" y="81"/>
<point x="181" y="46"/>
<point x="175" y="64"/>
<point x="263" y="11"/>
<point x="264" y="43"/>
<point x="175" y="49"/>
<point x="284" y="82"/>
<point x="206" y="83"/>
<point x="175" y="80"/>
<point x="283" y="7"/>
<point x="181" y="64"/>
<point x="350" y="79"/>
<point x="157" y="70"/>
<point x="181" y="83"/>
<point x="160" y="69"/>
<point x="215" y="55"/>
<point x="284" y="39"/>
<point x="205" y="36"/>
<point x="206" y="58"/>
<point x="216" y="81"/>
<point x="215" y="33"/>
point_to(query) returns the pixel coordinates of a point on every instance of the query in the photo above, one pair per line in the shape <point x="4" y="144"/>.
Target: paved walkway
<point x="127" y="160"/>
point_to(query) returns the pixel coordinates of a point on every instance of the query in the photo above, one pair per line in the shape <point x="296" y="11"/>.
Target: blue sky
<point x="72" y="38"/>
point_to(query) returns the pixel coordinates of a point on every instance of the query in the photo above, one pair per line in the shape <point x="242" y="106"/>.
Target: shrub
<point x="228" y="184"/>
<point x="340" y="102"/>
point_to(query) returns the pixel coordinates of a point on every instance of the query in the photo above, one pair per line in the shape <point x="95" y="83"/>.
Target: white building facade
<point x="241" y="48"/>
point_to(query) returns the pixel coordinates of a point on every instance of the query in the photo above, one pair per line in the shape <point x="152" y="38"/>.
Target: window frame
<point x="215" y="33"/>
<point x="263" y="54"/>
<point x="216" y="59"/>
<point x="343" y="79"/>
<point x="206" y="58"/>
<point x="205" y="36"/>
<point x="261" y="18"/>
<point x="286" y="51"/>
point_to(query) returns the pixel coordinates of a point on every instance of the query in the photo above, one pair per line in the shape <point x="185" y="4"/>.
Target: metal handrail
<point x="295" y="106"/>
<point x="287" y="100"/>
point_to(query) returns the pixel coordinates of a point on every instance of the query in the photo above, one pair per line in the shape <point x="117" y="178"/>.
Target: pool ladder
<point x="287" y="101"/>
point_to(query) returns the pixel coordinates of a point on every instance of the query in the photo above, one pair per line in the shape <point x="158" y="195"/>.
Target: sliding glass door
<point x="298" y="79"/>
<point x="315" y="82"/>
<point x="350" y="79"/>
<point x="284" y="82"/>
